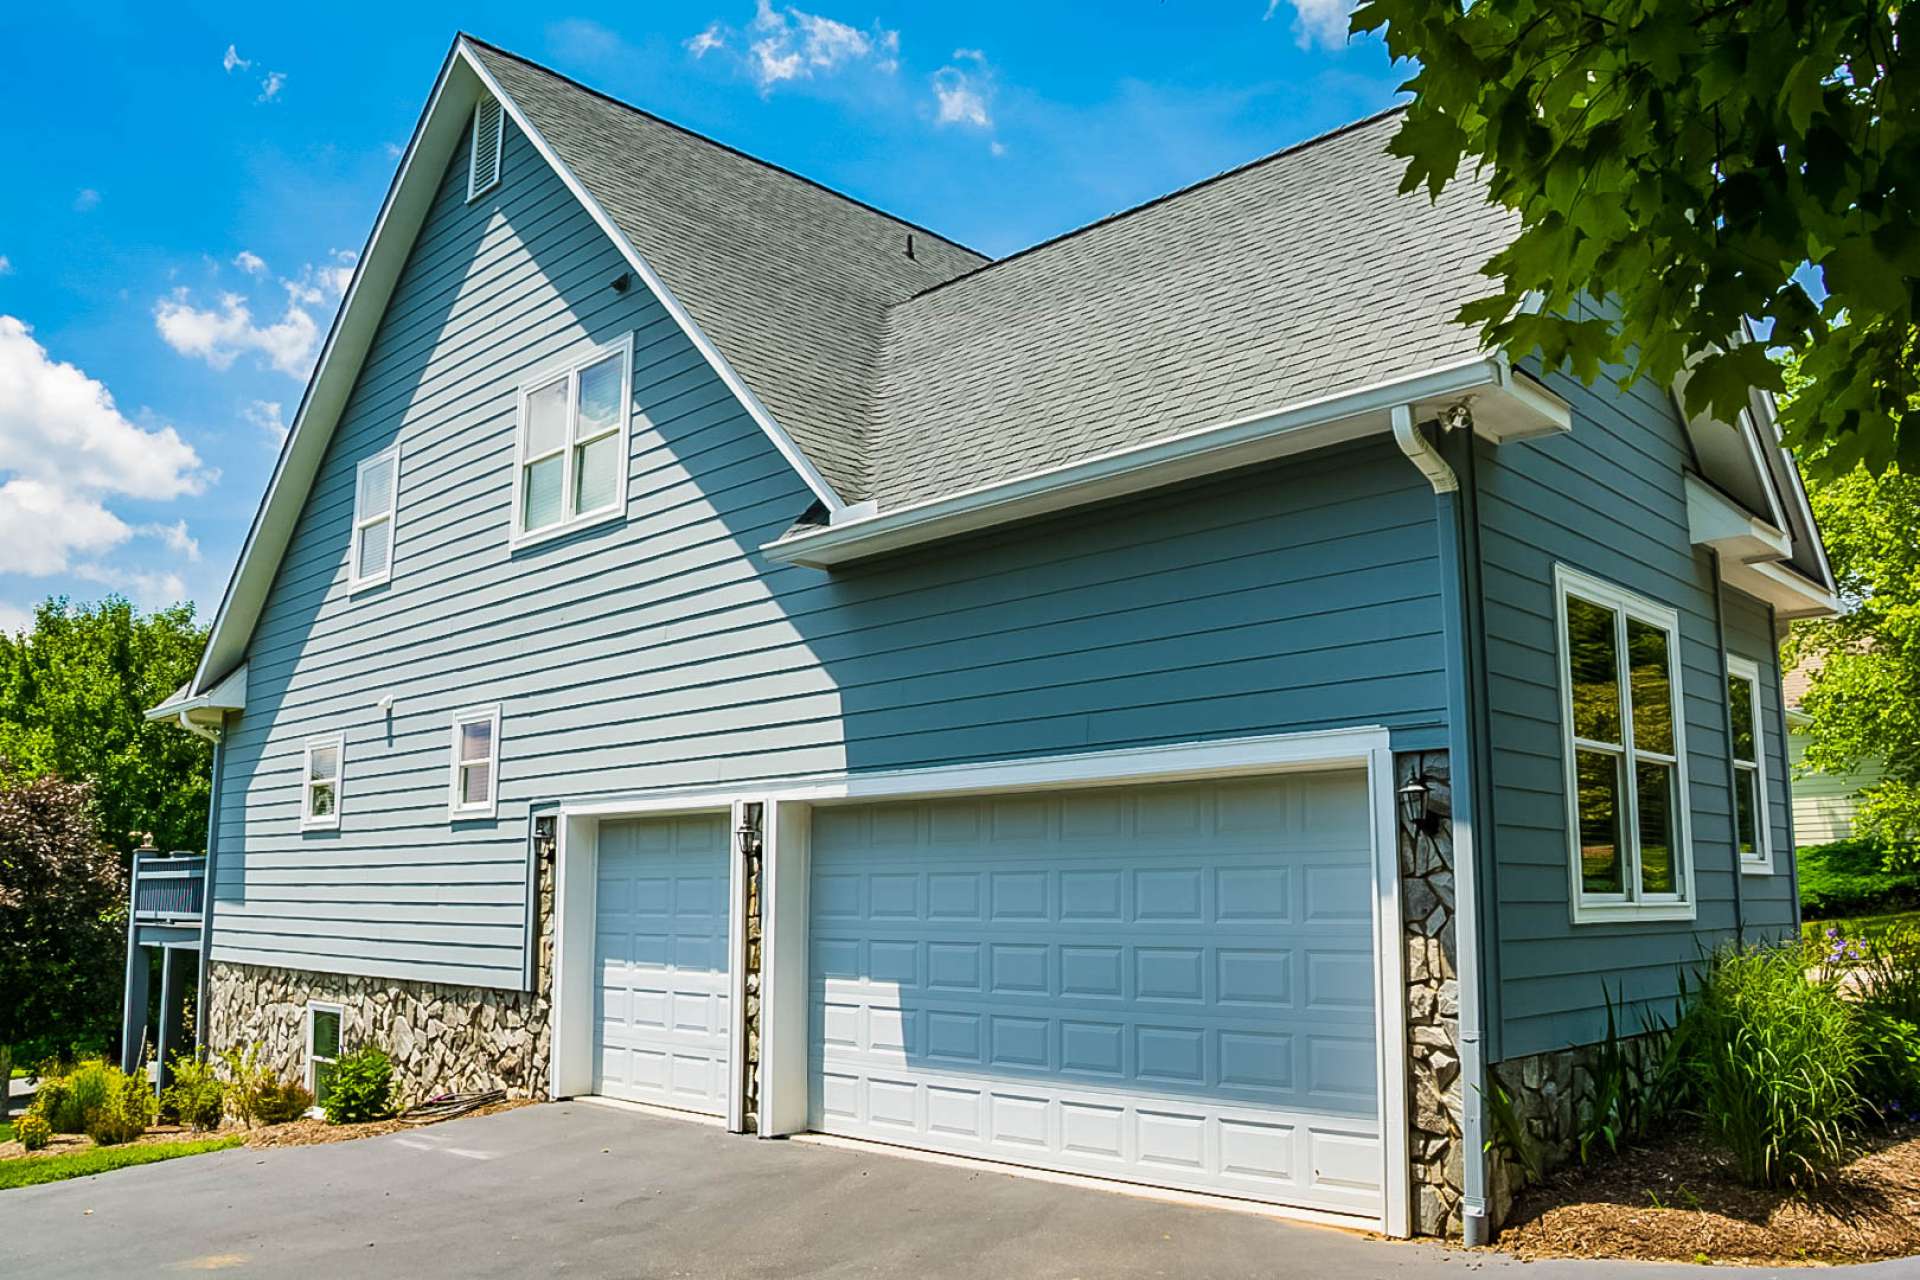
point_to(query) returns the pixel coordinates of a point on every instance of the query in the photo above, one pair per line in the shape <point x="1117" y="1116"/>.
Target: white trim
<point x="758" y="411"/>
<point x="736" y="1109"/>
<point x="1425" y="458"/>
<point x="476" y="189"/>
<point x="1631" y="904"/>
<point x="1759" y="863"/>
<point x="388" y="457"/>
<point x="330" y="821"/>
<point x="569" y="369"/>
<point x="1483" y="382"/>
<point x="1368" y="748"/>
<point x="456" y="810"/>
<point x="1790" y="595"/>
<point x="337" y="1010"/>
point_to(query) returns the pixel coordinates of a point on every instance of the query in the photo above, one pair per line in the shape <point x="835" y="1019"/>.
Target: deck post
<point x="133" y="1013"/>
<point x="173" y="968"/>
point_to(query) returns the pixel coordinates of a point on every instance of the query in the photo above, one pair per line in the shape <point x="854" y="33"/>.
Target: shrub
<point x="1890" y="1075"/>
<point x="283" y="1100"/>
<point x="1889" y="972"/>
<point x="197" y="1097"/>
<point x="1850" y="877"/>
<point x="1774" y="1062"/>
<point x="126" y="1113"/>
<point x="248" y="1081"/>
<point x="362" y="1087"/>
<point x="33" y="1131"/>
<point x="49" y="1101"/>
<point x="66" y="1102"/>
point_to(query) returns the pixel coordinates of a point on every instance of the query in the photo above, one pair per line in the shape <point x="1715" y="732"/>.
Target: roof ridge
<point x="723" y="146"/>
<point x="1175" y="194"/>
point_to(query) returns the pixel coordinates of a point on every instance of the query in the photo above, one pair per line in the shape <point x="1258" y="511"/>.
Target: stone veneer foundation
<point x="442" y="1039"/>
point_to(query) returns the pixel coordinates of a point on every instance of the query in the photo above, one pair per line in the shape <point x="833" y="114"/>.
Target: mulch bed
<point x="295" y="1133"/>
<point x="1678" y="1201"/>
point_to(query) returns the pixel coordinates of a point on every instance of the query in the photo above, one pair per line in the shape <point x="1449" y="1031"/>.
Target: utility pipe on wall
<point x="1466" y="912"/>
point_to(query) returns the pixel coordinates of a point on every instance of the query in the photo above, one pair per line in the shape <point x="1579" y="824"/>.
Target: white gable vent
<point x="489" y="123"/>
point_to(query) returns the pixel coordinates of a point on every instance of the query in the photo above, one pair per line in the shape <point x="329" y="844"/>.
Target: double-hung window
<point x="570" y="447"/>
<point x="376" y="494"/>
<point x="1625" y="745"/>
<point x="1749" y="766"/>
<point x="474" y="785"/>
<point x="323" y="1048"/>
<point x="320" y="768"/>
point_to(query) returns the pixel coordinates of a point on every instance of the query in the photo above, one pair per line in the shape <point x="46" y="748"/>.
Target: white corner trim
<point x="757" y="410"/>
<point x="1407" y="434"/>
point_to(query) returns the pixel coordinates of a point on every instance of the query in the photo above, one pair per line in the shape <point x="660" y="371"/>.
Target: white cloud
<point x="270" y="87"/>
<point x="250" y="262"/>
<point x="785" y="44"/>
<point x="266" y="415"/>
<point x="6" y="265"/>
<point x="963" y="93"/>
<point x="43" y="526"/>
<point x="221" y="336"/>
<point x="87" y="200"/>
<point x="148" y="589"/>
<point x="1321" y="22"/>
<point x="14" y="619"/>
<point x="232" y="60"/>
<point x="175" y="538"/>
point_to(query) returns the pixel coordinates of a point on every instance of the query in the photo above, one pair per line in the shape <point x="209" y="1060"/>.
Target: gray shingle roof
<point x="1296" y="276"/>
<point x="791" y="281"/>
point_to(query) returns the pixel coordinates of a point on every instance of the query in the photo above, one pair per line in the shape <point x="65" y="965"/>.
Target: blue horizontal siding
<point x="665" y="651"/>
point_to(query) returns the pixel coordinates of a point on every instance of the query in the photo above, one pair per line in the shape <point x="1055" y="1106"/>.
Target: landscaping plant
<point x="1888" y="973"/>
<point x="281" y="1101"/>
<point x="248" y="1081"/>
<point x="33" y="1131"/>
<point x="128" y="1110"/>
<point x="362" y="1087"/>
<point x="197" y="1097"/>
<point x="67" y="1103"/>
<point x="1774" y="1062"/>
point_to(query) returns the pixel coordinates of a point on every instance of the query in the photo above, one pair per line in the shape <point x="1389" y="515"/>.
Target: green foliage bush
<point x="1774" y="1063"/>
<point x="66" y="1102"/>
<point x="1890" y="1076"/>
<point x="33" y="1131"/>
<point x="362" y="1087"/>
<point x="248" y="1081"/>
<point x="197" y="1097"/>
<point x="283" y="1100"/>
<point x="1889" y="973"/>
<point x="1851" y="877"/>
<point x="128" y="1110"/>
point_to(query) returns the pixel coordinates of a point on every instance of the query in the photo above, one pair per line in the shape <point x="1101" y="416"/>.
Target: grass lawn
<point x="6" y="1131"/>
<point x="1867" y="927"/>
<point x="28" y="1171"/>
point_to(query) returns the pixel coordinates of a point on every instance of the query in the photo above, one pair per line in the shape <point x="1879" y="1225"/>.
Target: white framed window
<point x="321" y="766"/>
<point x="474" y="784"/>
<point x="1624" y="739"/>
<point x="376" y="504"/>
<point x="483" y="152"/>
<point x="324" y="1021"/>
<point x="570" y="444"/>
<point x="1750" y="825"/>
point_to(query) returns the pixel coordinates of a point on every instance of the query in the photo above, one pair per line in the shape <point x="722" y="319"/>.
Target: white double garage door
<point x="1170" y="984"/>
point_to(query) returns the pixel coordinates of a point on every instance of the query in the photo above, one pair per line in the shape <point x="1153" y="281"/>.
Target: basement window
<point x="570" y="445"/>
<point x="488" y="139"/>
<point x="1626" y="754"/>
<point x="1749" y="766"/>
<point x="323" y="1048"/>
<point x="320" y="768"/>
<point x="474" y="784"/>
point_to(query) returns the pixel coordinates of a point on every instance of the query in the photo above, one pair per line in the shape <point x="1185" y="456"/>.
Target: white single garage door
<point x="1169" y="984"/>
<point x="660" y="946"/>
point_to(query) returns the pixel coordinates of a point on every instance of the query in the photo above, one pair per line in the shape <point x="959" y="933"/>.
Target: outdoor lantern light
<point x="1413" y="803"/>
<point x="544" y="843"/>
<point x="747" y="834"/>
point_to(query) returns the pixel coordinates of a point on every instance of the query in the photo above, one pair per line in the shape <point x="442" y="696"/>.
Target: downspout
<point x="1786" y="767"/>
<point x="1466" y="911"/>
<point x="206" y="884"/>
<point x="1733" y="773"/>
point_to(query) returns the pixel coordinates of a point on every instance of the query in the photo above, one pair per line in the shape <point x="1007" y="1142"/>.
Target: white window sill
<point x="521" y="541"/>
<point x="478" y="813"/>
<point x="1756" y="866"/>
<point x="318" y="826"/>
<point x="1632" y="912"/>
<point x="356" y="585"/>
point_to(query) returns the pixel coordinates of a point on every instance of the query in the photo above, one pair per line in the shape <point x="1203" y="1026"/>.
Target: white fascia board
<point x="644" y="269"/>
<point x="230" y="694"/>
<point x="1791" y="595"/>
<point x="378" y="268"/>
<point x="1797" y="486"/>
<point x="1715" y="520"/>
<point x="1485" y="384"/>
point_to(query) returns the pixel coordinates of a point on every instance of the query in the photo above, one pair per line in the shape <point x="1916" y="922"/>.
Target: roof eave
<point x="1504" y="405"/>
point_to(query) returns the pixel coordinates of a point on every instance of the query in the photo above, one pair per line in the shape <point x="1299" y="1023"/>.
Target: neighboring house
<point x="1165" y="705"/>
<point x="1824" y="804"/>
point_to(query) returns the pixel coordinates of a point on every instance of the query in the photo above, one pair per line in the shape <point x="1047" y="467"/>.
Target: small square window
<point x="322" y="765"/>
<point x="473" y="785"/>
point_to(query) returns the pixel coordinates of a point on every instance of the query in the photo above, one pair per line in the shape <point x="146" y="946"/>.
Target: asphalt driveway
<point x="584" y="1190"/>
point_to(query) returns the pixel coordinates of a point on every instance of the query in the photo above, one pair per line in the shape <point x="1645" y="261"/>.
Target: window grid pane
<point x="540" y="499"/>
<point x="323" y="762"/>
<point x="320" y="800"/>
<point x="546" y="426"/>
<point x="1746" y="806"/>
<point x="475" y="781"/>
<point x="1654" y="786"/>
<point x="376" y="489"/>
<point x="1594" y="669"/>
<point x="599" y="398"/>
<point x="1601" y="866"/>
<point x="476" y="739"/>
<point x="1652" y="687"/>
<point x="373" y="549"/>
<point x="326" y="1033"/>
<point x="596" y="471"/>
<point x="1740" y="706"/>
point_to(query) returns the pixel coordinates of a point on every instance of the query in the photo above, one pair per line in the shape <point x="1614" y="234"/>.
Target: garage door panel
<point x="1169" y="984"/>
<point x="661" y="1004"/>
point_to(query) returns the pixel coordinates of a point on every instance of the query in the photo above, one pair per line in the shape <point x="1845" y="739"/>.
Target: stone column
<point x="1433" y="999"/>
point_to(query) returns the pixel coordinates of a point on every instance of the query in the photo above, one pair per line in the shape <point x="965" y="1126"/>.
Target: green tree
<point x="73" y="696"/>
<point x="1692" y="162"/>
<point x="63" y="900"/>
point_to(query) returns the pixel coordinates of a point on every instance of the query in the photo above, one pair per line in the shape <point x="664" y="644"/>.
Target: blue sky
<point x="188" y="187"/>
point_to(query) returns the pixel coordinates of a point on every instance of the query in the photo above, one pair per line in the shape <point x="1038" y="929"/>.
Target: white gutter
<point x="1515" y="404"/>
<point x="1421" y="453"/>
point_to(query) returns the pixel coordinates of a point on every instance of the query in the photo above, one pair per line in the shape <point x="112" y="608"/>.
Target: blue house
<point x="1165" y="705"/>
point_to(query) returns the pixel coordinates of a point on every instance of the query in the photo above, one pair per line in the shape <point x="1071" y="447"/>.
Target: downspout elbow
<point x="1421" y="453"/>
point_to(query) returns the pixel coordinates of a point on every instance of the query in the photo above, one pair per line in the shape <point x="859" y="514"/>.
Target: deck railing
<point x="169" y="888"/>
